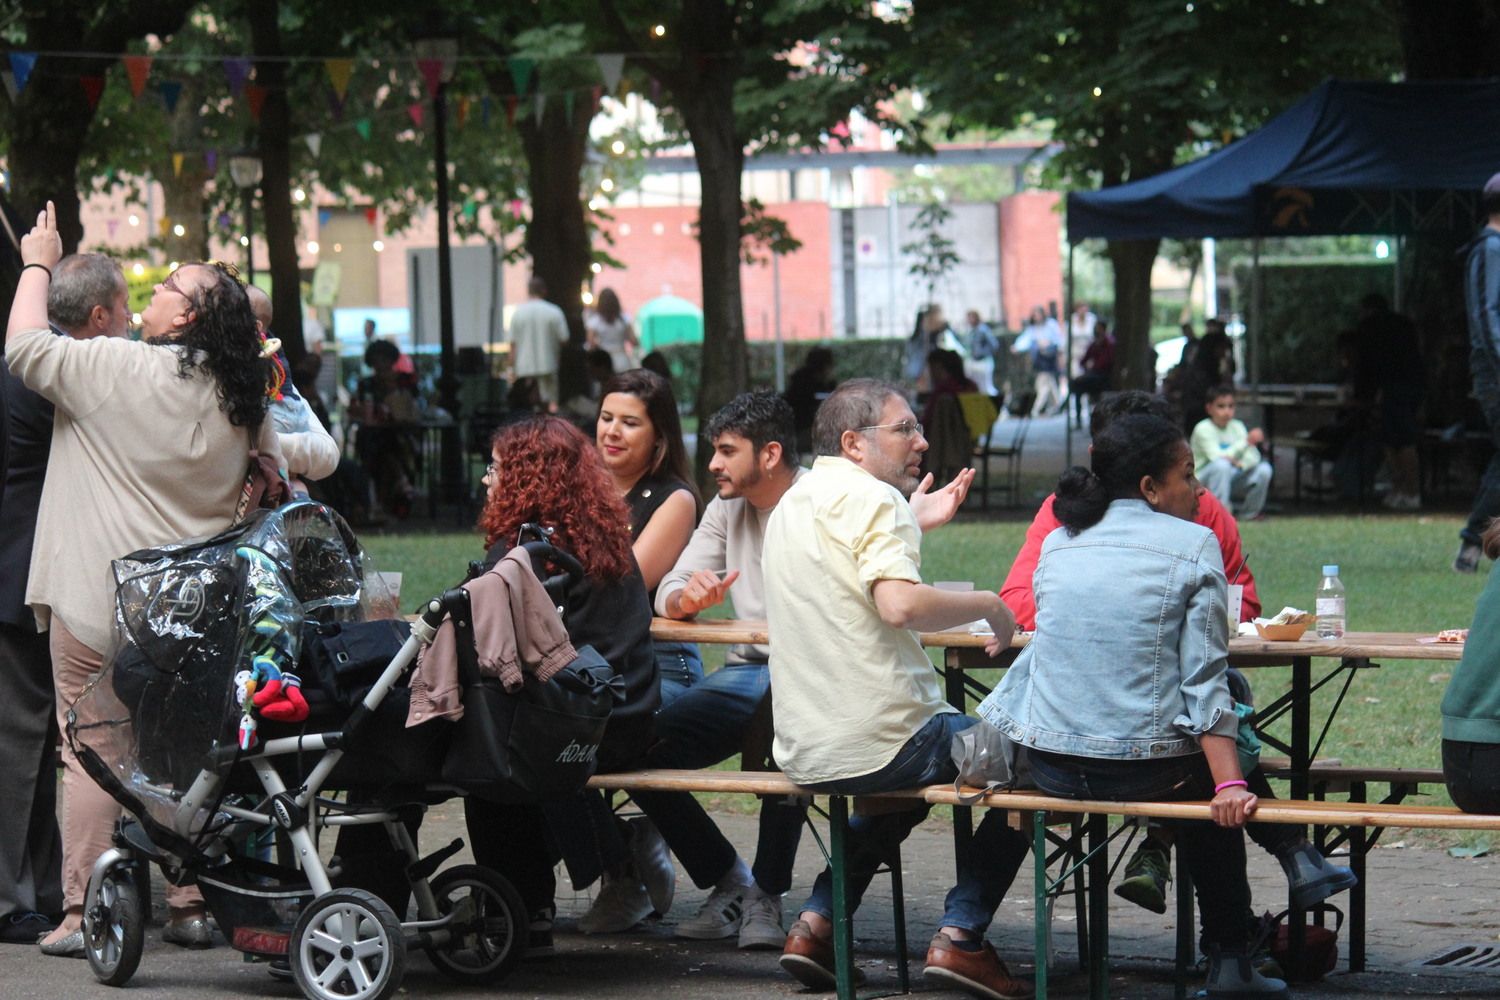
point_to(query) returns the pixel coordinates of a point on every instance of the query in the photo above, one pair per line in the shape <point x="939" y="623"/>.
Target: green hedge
<point x="870" y="358"/>
<point x="1306" y="306"/>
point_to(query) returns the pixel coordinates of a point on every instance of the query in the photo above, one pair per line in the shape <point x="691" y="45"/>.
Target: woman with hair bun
<point x="1159" y="722"/>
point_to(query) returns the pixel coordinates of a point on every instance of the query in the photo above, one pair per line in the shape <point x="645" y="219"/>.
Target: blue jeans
<point x="680" y="667"/>
<point x="986" y="867"/>
<point x="1214" y="855"/>
<point x="699" y="727"/>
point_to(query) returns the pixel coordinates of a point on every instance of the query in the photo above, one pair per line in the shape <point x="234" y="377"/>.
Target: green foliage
<point x="933" y="252"/>
<point x="867" y="358"/>
<point x="1306" y="305"/>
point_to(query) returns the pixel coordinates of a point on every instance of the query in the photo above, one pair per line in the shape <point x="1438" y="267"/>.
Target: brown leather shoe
<point x="978" y="972"/>
<point x="809" y="959"/>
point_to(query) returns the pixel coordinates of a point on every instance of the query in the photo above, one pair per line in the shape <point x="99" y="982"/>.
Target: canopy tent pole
<point x="1257" y="311"/>
<point x="1396" y="292"/>
<point x="1069" y="401"/>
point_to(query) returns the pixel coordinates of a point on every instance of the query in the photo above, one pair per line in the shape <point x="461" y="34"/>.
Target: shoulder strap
<point x="456" y="604"/>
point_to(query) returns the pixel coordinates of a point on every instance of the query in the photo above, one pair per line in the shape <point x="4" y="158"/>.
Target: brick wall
<point x="1030" y="265"/>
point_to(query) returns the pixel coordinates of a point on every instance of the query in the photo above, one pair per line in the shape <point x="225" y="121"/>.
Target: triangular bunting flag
<point x="10" y="84"/>
<point x="611" y="64"/>
<point x="339" y="71"/>
<point x="93" y="88"/>
<point x="336" y="106"/>
<point x="414" y="109"/>
<point x="171" y="90"/>
<point x="324" y="217"/>
<point x="362" y="126"/>
<point x="237" y="71"/>
<point x="471" y="209"/>
<point x="211" y="160"/>
<point x="510" y="109"/>
<point x="520" y="73"/>
<point x="370" y="215"/>
<point x="21" y="65"/>
<point x="840" y="130"/>
<point x="177" y="159"/>
<point x="432" y="74"/>
<point x="463" y="111"/>
<point x="656" y="91"/>
<point x="225" y="221"/>
<point x="165" y="224"/>
<point x="256" y="95"/>
<point x="137" y="68"/>
<point x="484" y="112"/>
<point x="595" y="93"/>
<point x="112" y="225"/>
<point x="568" y="105"/>
<point x="540" y="103"/>
<point x="515" y="208"/>
<point x="314" y="142"/>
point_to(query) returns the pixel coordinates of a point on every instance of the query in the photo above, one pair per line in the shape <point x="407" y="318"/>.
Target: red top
<point x="1016" y="591"/>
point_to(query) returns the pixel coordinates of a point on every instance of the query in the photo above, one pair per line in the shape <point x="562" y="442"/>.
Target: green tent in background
<point x="668" y="320"/>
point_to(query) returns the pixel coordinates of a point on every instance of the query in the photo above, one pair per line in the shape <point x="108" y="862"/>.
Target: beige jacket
<point x="516" y="627"/>
<point x="140" y="457"/>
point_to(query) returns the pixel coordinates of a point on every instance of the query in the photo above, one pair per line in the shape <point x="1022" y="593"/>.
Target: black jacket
<point x="28" y="430"/>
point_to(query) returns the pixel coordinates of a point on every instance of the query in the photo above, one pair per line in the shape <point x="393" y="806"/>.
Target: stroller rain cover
<point x="191" y="615"/>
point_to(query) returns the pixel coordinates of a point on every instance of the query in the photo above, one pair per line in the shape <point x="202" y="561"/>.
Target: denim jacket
<point x="1131" y="643"/>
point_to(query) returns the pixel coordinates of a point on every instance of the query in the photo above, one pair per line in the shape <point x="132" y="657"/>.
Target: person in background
<point x="86" y="299"/>
<point x="599" y="368"/>
<point x="1190" y="382"/>
<point x="806" y="387"/>
<point x="1097" y="371"/>
<point x="656" y="363"/>
<point x="699" y="725"/>
<point x="609" y="329"/>
<point x="639" y="438"/>
<point x="1227" y="456"/>
<point x="1081" y="328"/>
<point x="1482" y="302"/>
<point x="1389" y="341"/>
<point x="545" y="471"/>
<point x="982" y="345"/>
<point x="383" y="405"/>
<point x="1471" y="704"/>
<point x="403" y="367"/>
<point x="857" y="705"/>
<point x="538" y="329"/>
<point x="124" y="475"/>
<point x="1129" y="602"/>
<point x="309" y="450"/>
<point x="1041" y="340"/>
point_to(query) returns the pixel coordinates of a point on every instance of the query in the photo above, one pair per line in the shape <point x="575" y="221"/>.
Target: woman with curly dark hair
<point x="544" y="471"/>
<point x="149" y="445"/>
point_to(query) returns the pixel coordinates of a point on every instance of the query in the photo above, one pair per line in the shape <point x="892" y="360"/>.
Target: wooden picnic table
<point x="963" y="653"/>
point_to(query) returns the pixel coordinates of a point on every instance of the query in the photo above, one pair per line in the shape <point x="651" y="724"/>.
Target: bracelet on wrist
<point x="43" y="267"/>
<point x="1236" y="783"/>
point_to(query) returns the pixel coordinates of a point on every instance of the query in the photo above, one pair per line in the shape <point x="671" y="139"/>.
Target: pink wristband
<point x="1236" y="783"/>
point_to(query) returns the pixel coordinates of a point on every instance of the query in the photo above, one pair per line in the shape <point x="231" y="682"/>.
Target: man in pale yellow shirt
<point x="857" y="704"/>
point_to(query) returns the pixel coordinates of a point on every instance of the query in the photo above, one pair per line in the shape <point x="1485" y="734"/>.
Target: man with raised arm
<point x="754" y="464"/>
<point x="857" y="703"/>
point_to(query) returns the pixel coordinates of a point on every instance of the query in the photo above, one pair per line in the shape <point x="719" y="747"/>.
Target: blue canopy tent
<point x="1349" y="158"/>
<point x="1388" y="158"/>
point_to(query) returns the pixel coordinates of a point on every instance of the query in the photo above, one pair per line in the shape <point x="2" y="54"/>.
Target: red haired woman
<point x="544" y="471"/>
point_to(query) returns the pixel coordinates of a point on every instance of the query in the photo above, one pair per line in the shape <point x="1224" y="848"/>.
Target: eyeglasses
<point x="493" y="469"/>
<point x="171" y="285"/>
<point x="906" y="428"/>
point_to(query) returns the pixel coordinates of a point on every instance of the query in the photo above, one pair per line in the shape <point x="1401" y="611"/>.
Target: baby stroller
<point x="210" y="771"/>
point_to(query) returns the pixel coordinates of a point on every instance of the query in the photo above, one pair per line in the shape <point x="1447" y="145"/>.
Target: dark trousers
<point x="1472" y="772"/>
<point x="1214" y="855"/>
<point x="1487" y="501"/>
<point x="30" y="846"/>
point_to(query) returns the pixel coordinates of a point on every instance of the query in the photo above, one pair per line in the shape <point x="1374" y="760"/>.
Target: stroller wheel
<point x="114" y="923"/>
<point x="489" y="927"/>
<point x="348" y="945"/>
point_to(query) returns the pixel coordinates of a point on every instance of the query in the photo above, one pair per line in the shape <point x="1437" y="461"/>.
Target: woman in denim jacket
<point x="1122" y="694"/>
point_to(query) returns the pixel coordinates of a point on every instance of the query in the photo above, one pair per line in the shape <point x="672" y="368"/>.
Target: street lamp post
<point x="445" y="51"/>
<point x="245" y="171"/>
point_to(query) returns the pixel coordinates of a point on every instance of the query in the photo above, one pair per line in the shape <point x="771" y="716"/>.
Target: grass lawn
<point x="1395" y="568"/>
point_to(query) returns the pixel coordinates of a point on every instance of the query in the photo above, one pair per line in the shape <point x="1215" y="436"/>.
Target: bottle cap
<point x="1330" y="571"/>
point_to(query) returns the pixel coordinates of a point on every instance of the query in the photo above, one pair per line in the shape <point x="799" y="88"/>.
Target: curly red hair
<point x="550" y="474"/>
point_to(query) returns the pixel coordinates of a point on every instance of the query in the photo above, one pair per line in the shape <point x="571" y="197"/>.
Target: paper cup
<point x="1236" y="602"/>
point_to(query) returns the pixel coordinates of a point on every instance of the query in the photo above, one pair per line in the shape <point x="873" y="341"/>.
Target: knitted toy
<point x="265" y="690"/>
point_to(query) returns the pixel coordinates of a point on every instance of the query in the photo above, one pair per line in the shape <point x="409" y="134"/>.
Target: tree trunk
<point x="557" y="237"/>
<point x="720" y="153"/>
<point x="276" y="185"/>
<point x="1132" y="260"/>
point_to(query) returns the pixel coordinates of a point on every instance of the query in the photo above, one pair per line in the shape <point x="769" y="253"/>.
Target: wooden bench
<point x="1043" y="810"/>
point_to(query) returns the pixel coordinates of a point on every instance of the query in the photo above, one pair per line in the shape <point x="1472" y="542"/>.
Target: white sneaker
<point x="718" y="917"/>
<point x="621" y="904"/>
<point x="653" y="863"/>
<point x="760" y="926"/>
<point x="1402" y="501"/>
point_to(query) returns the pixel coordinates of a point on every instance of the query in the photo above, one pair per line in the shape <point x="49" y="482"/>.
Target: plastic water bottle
<point x="1330" y="605"/>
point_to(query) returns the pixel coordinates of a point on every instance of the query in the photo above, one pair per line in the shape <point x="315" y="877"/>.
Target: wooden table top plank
<point x="1389" y="645"/>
